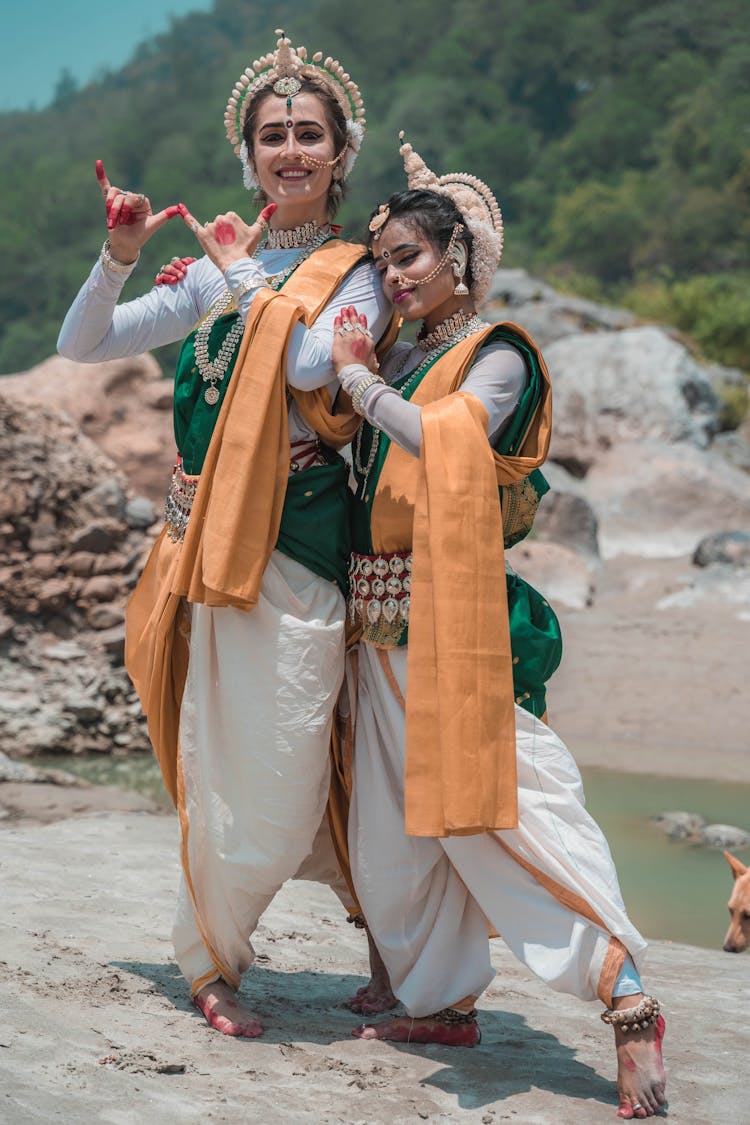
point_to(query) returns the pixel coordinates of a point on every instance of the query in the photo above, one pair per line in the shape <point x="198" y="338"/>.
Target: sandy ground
<point x="95" y="1025"/>
<point x="654" y="676"/>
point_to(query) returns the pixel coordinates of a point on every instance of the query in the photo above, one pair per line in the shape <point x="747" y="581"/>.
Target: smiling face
<point x="281" y="138"/>
<point x="404" y="254"/>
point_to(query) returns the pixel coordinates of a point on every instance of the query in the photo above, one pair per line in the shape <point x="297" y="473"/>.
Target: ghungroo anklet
<point x="640" y="1017"/>
<point x="454" y="1015"/>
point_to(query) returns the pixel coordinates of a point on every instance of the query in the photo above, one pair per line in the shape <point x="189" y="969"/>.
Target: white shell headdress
<point x="478" y="206"/>
<point x="283" y="69"/>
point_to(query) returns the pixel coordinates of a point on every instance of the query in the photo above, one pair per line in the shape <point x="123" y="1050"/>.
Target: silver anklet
<point x="640" y="1017"/>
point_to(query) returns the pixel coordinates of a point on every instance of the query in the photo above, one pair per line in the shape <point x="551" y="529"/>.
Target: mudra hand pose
<point x="236" y="630"/>
<point x="466" y="808"/>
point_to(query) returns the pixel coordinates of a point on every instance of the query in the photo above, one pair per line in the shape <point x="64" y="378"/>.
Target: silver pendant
<point x="211" y="395"/>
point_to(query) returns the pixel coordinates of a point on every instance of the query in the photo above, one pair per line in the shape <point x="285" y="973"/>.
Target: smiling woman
<point x="236" y="630"/>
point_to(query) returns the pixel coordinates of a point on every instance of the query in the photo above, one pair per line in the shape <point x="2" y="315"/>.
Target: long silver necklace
<point x="469" y="328"/>
<point x="213" y="370"/>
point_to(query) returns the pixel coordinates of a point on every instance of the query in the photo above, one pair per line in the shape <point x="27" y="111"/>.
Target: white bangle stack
<point x="357" y="394"/>
<point x="113" y="264"/>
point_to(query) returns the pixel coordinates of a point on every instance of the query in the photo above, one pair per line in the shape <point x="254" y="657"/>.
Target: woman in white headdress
<point x="236" y="630"/>
<point x="467" y="811"/>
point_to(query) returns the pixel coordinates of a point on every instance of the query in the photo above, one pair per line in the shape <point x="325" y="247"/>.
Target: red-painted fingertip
<point x="182" y="209"/>
<point x="268" y="211"/>
<point x="172" y="210"/>
<point x="100" y="174"/>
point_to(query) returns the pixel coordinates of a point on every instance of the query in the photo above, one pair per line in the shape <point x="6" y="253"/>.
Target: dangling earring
<point x="458" y="265"/>
<point x="336" y="188"/>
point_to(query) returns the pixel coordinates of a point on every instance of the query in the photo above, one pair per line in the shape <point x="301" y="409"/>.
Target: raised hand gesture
<point x="228" y="238"/>
<point x="130" y="220"/>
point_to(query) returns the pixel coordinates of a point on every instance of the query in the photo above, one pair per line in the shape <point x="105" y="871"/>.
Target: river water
<point x="673" y="890"/>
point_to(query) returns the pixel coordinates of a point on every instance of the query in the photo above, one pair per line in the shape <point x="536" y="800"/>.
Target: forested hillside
<point x="616" y="135"/>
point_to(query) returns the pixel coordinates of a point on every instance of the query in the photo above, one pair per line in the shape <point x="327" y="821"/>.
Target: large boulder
<point x="545" y="312"/>
<point x="614" y="387"/>
<point x="729" y="547"/>
<point x="124" y="405"/>
<point x="658" y="500"/>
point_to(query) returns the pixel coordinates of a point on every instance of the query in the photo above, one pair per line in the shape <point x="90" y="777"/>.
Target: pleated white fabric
<point x="428" y="901"/>
<point x="254" y="741"/>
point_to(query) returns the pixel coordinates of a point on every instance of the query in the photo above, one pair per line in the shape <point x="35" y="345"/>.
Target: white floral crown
<point x="284" y="69"/>
<point x="478" y="206"/>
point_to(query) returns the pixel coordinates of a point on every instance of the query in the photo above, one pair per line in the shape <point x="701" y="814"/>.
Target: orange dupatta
<point x="234" y="523"/>
<point x="460" y="727"/>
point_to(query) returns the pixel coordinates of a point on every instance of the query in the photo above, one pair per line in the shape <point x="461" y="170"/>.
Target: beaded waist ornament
<point x="303" y="454"/>
<point x="179" y="502"/>
<point x="379" y="596"/>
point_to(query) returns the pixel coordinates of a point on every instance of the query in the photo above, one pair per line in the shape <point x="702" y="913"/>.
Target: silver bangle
<point x="245" y="286"/>
<point x="113" y="264"/>
<point x="358" y="393"/>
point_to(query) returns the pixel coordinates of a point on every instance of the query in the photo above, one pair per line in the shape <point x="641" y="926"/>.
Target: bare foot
<point x="376" y="996"/>
<point x="404" y="1029"/>
<point x="640" y="1070"/>
<point x="218" y="1003"/>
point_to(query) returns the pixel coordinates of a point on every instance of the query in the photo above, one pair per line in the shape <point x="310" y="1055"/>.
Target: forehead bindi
<point x="306" y="110"/>
<point x="396" y="237"/>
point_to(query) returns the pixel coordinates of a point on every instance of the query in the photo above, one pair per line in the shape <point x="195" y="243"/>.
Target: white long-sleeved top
<point x="497" y="378"/>
<point x="97" y="328"/>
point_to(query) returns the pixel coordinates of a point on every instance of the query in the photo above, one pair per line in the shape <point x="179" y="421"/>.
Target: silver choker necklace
<point x="213" y="370"/>
<point x="445" y="330"/>
<point x="292" y="239"/>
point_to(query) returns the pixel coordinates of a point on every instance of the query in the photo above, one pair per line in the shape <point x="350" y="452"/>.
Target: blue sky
<point x="41" y="38"/>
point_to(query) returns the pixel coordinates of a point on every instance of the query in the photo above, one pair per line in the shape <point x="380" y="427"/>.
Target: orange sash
<point x="234" y="523"/>
<point x="444" y="506"/>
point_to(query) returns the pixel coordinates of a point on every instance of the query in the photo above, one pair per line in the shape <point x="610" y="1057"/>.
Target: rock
<point x="657" y="499"/>
<point x="13" y="500"/>
<point x="18" y="771"/>
<point x="569" y="519"/>
<point x="105" y="499"/>
<point x="81" y="563"/>
<point x="112" y="641"/>
<point x="101" y="588"/>
<point x="724" y="836"/>
<point x="613" y="387"/>
<point x="105" y="617"/>
<point x="65" y="651"/>
<point x="547" y="313"/>
<point x="45" y="565"/>
<point x="96" y="537"/>
<point x="44" y="533"/>
<point x="54" y="594"/>
<point x="85" y="708"/>
<point x="115" y="563"/>
<point x="679" y="825"/>
<point x="730" y="547"/>
<point x="562" y="575"/>
<point x="124" y="405"/>
<point x="7" y="626"/>
<point x="140" y="512"/>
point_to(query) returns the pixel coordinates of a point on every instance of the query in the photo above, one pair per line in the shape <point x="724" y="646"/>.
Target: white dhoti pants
<point x="254" y="746"/>
<point x="428" y="901"/>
